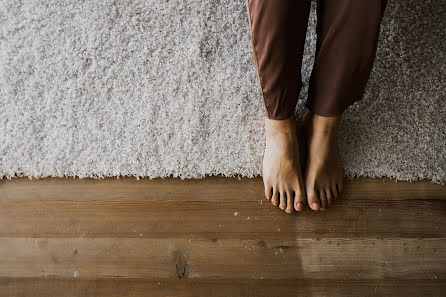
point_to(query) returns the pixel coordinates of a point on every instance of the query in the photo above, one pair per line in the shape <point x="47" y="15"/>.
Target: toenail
<point x="299" y="205"/>
<point x="314" y="204"/>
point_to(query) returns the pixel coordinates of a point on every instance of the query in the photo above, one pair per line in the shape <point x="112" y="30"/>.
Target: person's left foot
<point x="323" y="173"/>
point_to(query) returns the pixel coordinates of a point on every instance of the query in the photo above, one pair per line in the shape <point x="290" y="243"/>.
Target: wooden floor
<point x="218" y="237"/>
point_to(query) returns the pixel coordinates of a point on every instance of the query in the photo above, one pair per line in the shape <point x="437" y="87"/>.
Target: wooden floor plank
<point x="203" y="219"/>
<point x="228" y="258"/>
<point x="212" y="188"/>
<point x="350" y="288"/>
<point x="121" y="288"/>
<point x="34" y="287"/>
<point x="218" y="237"/>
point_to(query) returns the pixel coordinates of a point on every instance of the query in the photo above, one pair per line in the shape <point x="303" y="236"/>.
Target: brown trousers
<point x="347" y="35"/>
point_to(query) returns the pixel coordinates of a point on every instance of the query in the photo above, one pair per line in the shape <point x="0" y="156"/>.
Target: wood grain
<point x="32" y="287"/>
<point x="218" y="237"/>
<point x="227" y="258"/>
<point x="213" y="188"/>
<point x="203" y="219"/>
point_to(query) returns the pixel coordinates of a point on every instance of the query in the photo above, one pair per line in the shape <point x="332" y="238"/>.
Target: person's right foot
<point x="282" y="175"/>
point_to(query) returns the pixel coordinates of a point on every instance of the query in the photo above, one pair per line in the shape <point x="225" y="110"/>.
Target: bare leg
<point x="323" y="173"/>
<point x="282" y="175"/>
<point x="278" y="31"/>
<point x="347" y="36"/>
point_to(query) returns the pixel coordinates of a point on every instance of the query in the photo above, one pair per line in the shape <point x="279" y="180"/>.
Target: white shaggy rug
<point x="168" y="88"/>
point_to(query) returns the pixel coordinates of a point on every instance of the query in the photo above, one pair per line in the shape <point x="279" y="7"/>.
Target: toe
<point x="289" y="202"/>
<point x="275" y="198"/>
<point x="323" y="199"/>
<point x="313" y="200"/>
<point x="334" y="191"/>
<point x="283" y="198"/>
<point x="299" y="200"/>
<point x="329" y="196"/>
<point x="268" y="191"/>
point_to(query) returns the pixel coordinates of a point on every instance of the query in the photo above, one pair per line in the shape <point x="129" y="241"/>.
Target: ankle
<point x="287" y="126"/>
<point x="320" y="124"/>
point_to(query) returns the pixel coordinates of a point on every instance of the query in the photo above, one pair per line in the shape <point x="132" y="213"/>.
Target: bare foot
<point x="282" y="175"/>
<point x="323" y="173"/>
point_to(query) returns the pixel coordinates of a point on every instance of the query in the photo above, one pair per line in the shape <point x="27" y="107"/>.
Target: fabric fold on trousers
<point x="347" y="36"/>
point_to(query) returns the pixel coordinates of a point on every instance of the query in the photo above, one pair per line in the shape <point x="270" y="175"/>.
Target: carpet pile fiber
<point x="168" y="88"/>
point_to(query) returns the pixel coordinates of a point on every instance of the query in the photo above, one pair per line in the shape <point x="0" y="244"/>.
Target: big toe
<point x="313" y="200"/>
<point x="299" y="200"/>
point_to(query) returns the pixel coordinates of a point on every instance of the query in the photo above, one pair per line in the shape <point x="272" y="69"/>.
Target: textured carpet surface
<point x="168" y="88"/>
